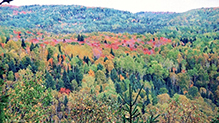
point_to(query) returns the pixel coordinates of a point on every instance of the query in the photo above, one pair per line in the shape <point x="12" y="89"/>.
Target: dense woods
<point x="74" y="63"/>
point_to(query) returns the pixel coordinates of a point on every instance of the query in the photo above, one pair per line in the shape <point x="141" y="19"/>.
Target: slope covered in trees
<point x="73" y="18"/>
<point x="60" y="65"/>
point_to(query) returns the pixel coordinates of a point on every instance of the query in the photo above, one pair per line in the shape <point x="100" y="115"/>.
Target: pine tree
<point x="60" y="85"/>
<point x="148" y="99"/>
<point x="105" y="59"/>
<point x="60" y="48"/>
<point x="27" y="62"/>
<point x="50" y="83"/>
<point x="155" y="100"/>
<point x="99" y="67"/>
<point x="78" y="73"/>
<point x="66" y="101"/>
<point x="101" y="89"/>
<point x="79" y="37"/>
<point x="66" y="81"/>
<point x="7" y="39"/>
<point x="34" y="68"/>
<point x="23" y="44"/>
<point x="32" y="47"/>
<point x="131" y="106"/>
<point x="50" y="54"/>
<point x="3" y="96"/>
<point x="114" y="75"/>
<point x="11" y="66"/>
<point x="11" y="76"/>
<point x="118" y="88"/>
<point x="111" y="52"/>
<point x="82" y="38"/>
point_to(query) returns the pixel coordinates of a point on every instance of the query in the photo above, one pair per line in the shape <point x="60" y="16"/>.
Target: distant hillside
<point x="73" y="18"/>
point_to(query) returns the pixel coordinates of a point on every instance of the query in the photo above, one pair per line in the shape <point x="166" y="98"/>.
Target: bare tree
<point x="5" y="1"/>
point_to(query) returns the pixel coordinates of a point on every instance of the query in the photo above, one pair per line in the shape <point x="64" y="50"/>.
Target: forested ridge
<point x="69" y="63"/>
<point x="74" y="18"/>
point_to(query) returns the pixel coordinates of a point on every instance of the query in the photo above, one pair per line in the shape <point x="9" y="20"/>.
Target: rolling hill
<point x="74" y="18"/>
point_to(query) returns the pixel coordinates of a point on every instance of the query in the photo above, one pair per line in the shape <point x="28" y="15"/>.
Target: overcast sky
<point x="130" y="5"/>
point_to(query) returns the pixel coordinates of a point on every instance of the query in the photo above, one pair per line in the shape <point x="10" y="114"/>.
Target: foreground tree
<point x="131" y="107"/>
<point x="3" y="95"/>
<point x="29" y="99"/>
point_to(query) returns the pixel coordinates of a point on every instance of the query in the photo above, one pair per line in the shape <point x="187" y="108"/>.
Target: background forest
<point x="69" y="63"/>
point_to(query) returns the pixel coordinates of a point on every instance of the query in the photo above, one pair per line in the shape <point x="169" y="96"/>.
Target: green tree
<point x="10" y="76"/>
<point x="23" y="44"/>
<point x="74" y="85"/>
<point x="66" y="81"/>
<point x="3" y="95"/>
<point x="60" y="84"/>
<point x="155" y="100"/>
<point x="100" y="77"/>
<point x="32" y="47"/>
<point x="111" y="52"/>
<point x="163" y="90"/>
<point x="130" y="105"/>
<point x="118" y="88"/>
<point x="79" y="37"/>
<point x="7" y="39"/>
<point x="66" y="101"/>
<point x="114" y="75"/>
<point x="29" y="99"/>
<point x="50" y="83"/>
<point x="50" y="53"/>
<point x="193" y="91"/>
<point x="99" y="67"/>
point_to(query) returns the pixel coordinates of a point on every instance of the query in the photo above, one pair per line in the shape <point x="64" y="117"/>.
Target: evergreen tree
<point x="105" y="59"/>
<point x="27" y="62"/>
<point x="3" y="96"/>
<point x="21" y="66"/>
<point x="10" y="76"/>
<point x="131" y="105"/>
<point x="11" y="66"/>
<point x="99" y="67"/>
<point x="71" y="75"/>
<point x="79" y="37"/>
<point x="118" y="88"/>
<point x="23" y="44"/>
<point x="82" y="38"/>
<point x="60" y="49"/>
<point x="7" y="39"/>
<point x="148" y="99"/>
<point x="60" y="84"/>
<point x="66" y="81"/>
<point x="155" y="100"/>
<point x="32" y="47"/>
<point x="114" y="75"/>
<point x="50" y="83"/>
<point x="34" y="68"/>
<point x="78" y="73"/>
<point x="50" y="54"/>
<point x="58" y="68"/>
<point x="101" y="89"/>
<point x="111" y="52"/>
<point x="66" y="101"/>
<point x="193" y="91"/>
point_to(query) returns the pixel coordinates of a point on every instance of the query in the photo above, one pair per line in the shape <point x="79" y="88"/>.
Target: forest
<point x="71" y="63"/>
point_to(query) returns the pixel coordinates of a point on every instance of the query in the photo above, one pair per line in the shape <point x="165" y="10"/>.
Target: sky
<point x="130" y="5"/>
